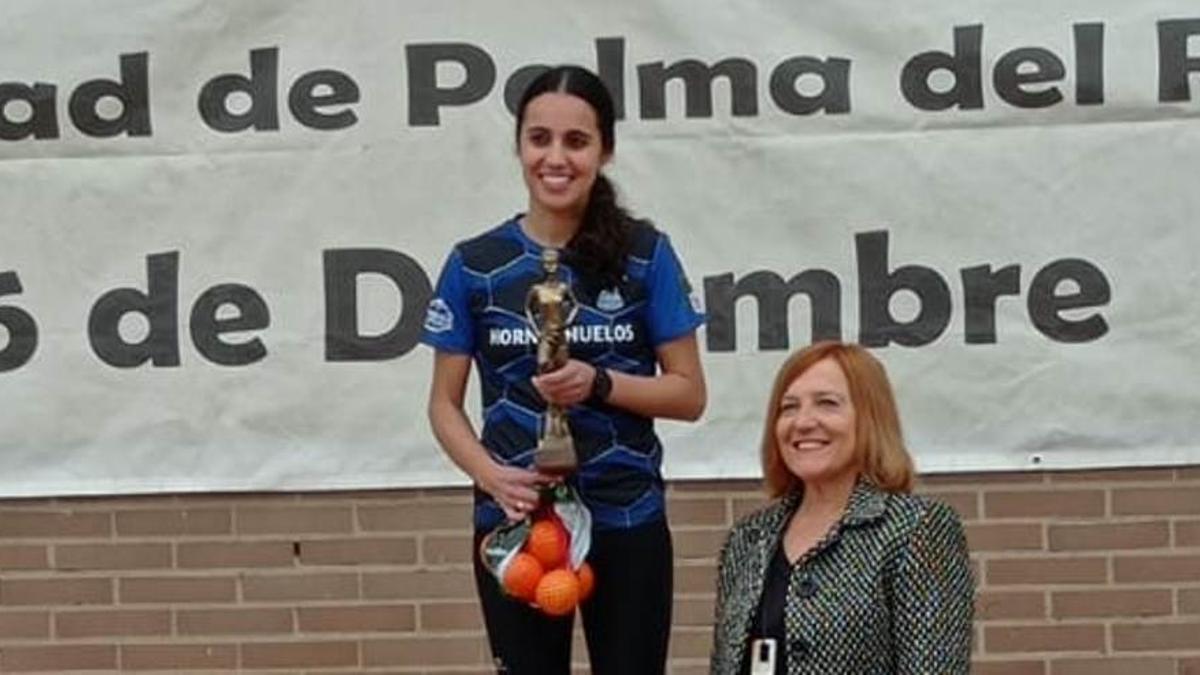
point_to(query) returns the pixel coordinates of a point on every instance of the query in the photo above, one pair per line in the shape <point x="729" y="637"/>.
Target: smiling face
<point x="815" y="425"/>
<point x="561" y="153"/>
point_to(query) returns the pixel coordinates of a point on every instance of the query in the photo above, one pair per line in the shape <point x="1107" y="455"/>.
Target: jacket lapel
<point x="766" y="539"/>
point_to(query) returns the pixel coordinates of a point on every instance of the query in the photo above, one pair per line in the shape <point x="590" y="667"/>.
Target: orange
<point x="522" y="576"/>
<point x="558" y="592"/>
<point x="548" y="543"/>
<point x="587" y="581"/>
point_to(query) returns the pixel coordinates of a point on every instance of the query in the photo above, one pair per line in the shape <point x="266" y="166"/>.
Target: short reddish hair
<point x="879" y="443"/>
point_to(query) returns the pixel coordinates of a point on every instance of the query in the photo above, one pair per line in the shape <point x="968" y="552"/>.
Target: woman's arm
<point x="676" y="392"/>
<point x="725" y="655"/>
<point x="934" y="597"/>
<point x="513" y="488"/>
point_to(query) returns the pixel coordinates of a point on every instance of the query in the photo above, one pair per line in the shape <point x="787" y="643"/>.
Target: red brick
<point x="1187" y="533"/>
<point x="112" y="556"/>
<point x="1189" y="666"/>
<point x="695" y="612"/>
<point x="691" y="643"/>
<point x="1156" y="501"/>
<point x="1008" y="668"/>
<point x="1044" y="638"/>
<point x="420" y="584"/>
<point x="176" y="589"/>
<point x="1113" y="665"/>
<point x="174" y="522"/>
<point x="1037" y="571"/>
<point x="210" y="555"/>
<point x="965" y="504"/>
<point x="56" y="592"/>
<point x="1156" y="636"/>
<point x="698" y="511"/>
<point x="450" y="616"/>
<point x="698" y="544"/>
<point x="402" y="551"/>
<point x="179" y="657"/>
<point x="360" y="619"/>
<point x="54" y="524"/>
<point x="299" y="654"/>
<point x="1189" y="601"/>
<point x="446" y="549"/>
<point x="232" y="621"/>
<point x="292" y="587"/>
<point x="112" y="623"/>
<point x="24" y="625"/>
<point x="1043" y="503"/>
<point x="418" y="517"/>
<point x="994" y="605"/>
<point x="744" y="507"/>
<point x="1157" y="568"/>
<point x="426" y="651"/>
<point x="719" y="486"/>
<point x="58" y="658"/>
<point x="1109" y="536"/>
<point x="294" y="520"/>
<point x="441" y="561"/>
<point x="700" y="579"/>
<point x="1004" y="537"/>
<point x="1110" y="603"/>
<point x="23" y="558"/>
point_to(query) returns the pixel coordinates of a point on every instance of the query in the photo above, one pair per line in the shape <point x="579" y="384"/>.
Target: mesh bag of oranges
<point x="542" y="560"/>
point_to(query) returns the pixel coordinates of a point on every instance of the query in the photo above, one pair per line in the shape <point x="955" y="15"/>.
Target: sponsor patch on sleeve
<point x="438" y="317"/>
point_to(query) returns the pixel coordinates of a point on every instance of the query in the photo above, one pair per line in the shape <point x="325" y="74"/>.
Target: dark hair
<point x="599" y="249"/>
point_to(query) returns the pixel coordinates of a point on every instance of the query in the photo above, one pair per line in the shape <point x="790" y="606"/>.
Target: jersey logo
<point x="439" y="318"/>
<point x="610" y="300"/>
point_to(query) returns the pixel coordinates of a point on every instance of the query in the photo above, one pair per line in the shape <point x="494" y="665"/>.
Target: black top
<point x="768" y="620"/>
<point x="888" y="590"/>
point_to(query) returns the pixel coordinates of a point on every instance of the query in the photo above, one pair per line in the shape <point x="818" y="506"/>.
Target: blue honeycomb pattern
<point x="478" y="308"/>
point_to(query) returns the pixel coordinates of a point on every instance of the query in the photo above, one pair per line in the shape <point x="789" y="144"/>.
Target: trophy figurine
<point x="550" y="307"/>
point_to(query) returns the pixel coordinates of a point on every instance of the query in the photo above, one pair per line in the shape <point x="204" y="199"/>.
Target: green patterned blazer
<point x="888" y="590"/>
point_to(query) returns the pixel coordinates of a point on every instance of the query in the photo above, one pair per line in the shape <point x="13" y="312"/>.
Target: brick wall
<point x="1085" y="572"/>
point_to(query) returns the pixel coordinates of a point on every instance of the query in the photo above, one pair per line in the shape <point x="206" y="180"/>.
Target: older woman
<point x="845" y="571"/>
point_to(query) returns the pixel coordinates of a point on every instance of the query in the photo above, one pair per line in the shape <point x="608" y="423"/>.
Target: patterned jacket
<point x="889" y="590"/>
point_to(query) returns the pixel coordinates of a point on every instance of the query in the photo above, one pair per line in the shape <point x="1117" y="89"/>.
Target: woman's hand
<point x="514" y="489"/>
<point x="567" y="386"/>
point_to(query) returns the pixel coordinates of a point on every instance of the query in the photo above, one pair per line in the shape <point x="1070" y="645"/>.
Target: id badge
<point x="762" y="656"/>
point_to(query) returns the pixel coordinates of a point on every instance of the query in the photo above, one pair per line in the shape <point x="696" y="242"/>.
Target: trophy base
<point x="556" y="455"/>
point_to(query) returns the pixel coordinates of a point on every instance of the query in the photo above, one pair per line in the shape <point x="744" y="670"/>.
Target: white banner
<point x="219" y="222"/>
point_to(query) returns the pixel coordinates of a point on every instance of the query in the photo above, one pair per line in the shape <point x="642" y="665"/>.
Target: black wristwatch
<point x="601" y="386"/>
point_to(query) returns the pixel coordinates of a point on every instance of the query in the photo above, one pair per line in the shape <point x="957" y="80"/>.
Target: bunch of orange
<point x="541" y="572"/>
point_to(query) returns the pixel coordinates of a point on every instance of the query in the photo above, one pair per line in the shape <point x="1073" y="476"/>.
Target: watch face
<point x="601" y="386"/>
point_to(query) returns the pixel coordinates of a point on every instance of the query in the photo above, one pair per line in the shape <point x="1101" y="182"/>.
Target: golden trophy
<point x="550" y="307"/>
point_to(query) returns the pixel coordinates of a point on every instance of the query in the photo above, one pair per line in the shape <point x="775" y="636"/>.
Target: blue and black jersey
<point x="478" y="308"/>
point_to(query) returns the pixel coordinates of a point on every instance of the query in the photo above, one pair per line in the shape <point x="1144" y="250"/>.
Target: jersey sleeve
<point x="447" y="318"/>
<point x="674" y="308"/>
